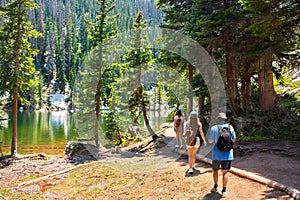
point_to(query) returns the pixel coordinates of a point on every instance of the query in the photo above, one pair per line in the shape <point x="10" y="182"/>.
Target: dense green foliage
<point x="17" y="69"/>
<point x="243" y="36"/>
<point x="252" y="43"/>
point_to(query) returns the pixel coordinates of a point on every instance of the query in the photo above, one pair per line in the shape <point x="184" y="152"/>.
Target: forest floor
<point x="154" y="171"/>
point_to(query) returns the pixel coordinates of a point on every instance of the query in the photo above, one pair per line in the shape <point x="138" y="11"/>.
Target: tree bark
<point x="265" y="82"/>
<point x="143" y="105"/>
<point x="190" y="98"/>
<point x="13" y="149"/>
<point x="150" y="130"/>
<point x="201" y="112"/>
<point x="98" y="95"/>
<point x="246" y="87"/>
<point x="231" y="82"/>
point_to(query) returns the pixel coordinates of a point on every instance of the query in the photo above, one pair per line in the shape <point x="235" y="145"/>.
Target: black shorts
<point x="225" y="164"/>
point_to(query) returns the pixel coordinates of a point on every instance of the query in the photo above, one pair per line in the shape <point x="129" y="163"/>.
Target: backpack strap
<point x="219" y="131"/>
<point x="229" y="128"/>
<point x="220" y="127"/>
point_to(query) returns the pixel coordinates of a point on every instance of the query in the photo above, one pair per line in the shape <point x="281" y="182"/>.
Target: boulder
<point x="79" y="152"/>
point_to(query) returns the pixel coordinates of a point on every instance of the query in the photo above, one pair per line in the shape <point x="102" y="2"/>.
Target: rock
<point x="80" y="152"/>
<point x="133" y="130"/>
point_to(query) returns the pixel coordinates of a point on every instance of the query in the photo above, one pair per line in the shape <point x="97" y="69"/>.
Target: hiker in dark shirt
<point x="178" y="128"/>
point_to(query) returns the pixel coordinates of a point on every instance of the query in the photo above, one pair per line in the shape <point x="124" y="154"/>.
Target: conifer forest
<point x="50" y="47"/>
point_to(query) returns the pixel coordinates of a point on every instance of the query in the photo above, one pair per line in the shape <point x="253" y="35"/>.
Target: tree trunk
<point x="200" y="105"/>
<point x="202" y="113"/>
<point x="190" y="98"/>
<point x="246" y="87"/>
<point x="97" y="113"/>
<point x="98" y="96"/>
<point x="13" y="149"/>
<point x="138" y="42"/>
<point x="150" y="130"/>
<point x="143" y="105"/>
<point x="265" y="82"/>
<point x="51" y="59"/>
<point x="231" y="83"/>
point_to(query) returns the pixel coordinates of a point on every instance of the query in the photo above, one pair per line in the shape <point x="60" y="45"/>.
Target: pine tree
<point x="100" y="31"/>
<point x="16" y="54"/>
<point x="274" y="25"/>
<point x="139" y="57"/>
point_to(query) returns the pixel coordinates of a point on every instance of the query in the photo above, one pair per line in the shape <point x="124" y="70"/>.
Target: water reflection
<point x="157" y="118"/>
<point x="49" y="132"/>
<point x="59" y="119"/>
<point x="46" y="132"/>
<point x="3" y="119"/>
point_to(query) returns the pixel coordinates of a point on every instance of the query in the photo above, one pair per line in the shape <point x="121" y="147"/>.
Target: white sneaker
<point x="176" y="146"/>
<point x="181" y="146"/>
<point x="224" y="194"/>
<point x="190" y="171"/>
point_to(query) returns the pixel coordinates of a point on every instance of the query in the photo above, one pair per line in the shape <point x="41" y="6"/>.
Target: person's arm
<point x="210" y="141"/>
<point x="233" y="133"/>
<point x="211" y="138"/>
<point x="202" y="134"/>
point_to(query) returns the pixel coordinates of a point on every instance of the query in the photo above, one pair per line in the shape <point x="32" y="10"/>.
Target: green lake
<point x="48" y="132"/>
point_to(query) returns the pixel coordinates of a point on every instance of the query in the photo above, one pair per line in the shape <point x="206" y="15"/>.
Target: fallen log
<point x="3" y="197"/>
<point x="48" y="176"/>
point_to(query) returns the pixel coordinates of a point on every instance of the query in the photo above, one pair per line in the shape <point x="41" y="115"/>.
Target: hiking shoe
<point x="224" y="194"/>
<point x="176" y="146"/>
<point x="190" y="171"/>
<point x="214" y="189"/>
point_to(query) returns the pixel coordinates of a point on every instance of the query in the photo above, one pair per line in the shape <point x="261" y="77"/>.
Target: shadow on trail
<point x="145" y="157"/>
<point x="276" y="194"/>
<point x="196" y="173"/>
<point x="212" y="196"/>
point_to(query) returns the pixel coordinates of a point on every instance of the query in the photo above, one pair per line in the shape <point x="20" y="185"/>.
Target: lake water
<point x="49" y="132"/>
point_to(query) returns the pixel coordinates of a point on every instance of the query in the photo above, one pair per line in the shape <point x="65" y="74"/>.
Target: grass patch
<point x="253" y="138"/>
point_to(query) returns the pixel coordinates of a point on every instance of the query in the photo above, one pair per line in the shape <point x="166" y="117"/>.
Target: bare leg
<point x="179" y="142"/>
<point x="192" y="156"/>
<point x="177" y="137"/>
<point x="225" y="178"/>
<point x="215" y="176"/>
<point x="190" y="150"/>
